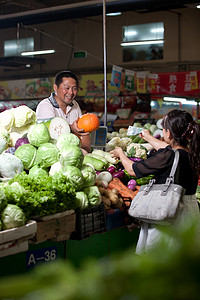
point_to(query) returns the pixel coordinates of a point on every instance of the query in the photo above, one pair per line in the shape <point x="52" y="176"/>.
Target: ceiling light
<point x="154" y="30"/>
<point x="198" y="6"/>
<point x="142" y="43"/>
<point x="181" y="100"/>
<point x="27" y="53"/>
<point x="130" y="33"/>
<point x="113" y="14"/>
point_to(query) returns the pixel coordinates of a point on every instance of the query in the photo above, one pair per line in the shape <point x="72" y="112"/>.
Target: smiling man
<point x="62" y="103"/>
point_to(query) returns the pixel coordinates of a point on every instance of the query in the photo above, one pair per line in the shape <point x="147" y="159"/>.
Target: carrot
<point x="123" y="190"/>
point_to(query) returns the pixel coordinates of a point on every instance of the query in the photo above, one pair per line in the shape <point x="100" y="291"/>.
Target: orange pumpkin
<point x="89" y="122"/>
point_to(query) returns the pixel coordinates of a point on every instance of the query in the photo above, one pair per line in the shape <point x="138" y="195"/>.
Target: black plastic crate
<point x="89" y="221"/>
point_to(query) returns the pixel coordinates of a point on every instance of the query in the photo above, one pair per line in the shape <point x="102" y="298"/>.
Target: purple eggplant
<point x="111" y="169"/>
<point x="119" y="174"/>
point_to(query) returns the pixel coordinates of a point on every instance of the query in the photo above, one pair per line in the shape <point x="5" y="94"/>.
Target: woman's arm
<point x="126" y="162"/>
<point x="155" y="143"/>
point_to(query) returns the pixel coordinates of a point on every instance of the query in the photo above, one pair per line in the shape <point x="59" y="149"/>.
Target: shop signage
<point x="179" y="84"/>
<point x="40" y="255"/>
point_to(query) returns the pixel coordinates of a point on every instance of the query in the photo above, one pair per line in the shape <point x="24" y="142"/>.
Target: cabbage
<point x="38" y="135"/>
<point x="12" y="216"/>
<point x="93" y="194"/>
<point x="67" y="139"/>
<point x="71" y="155"/>
<point x="27" y="154"/>
<point x="47" y="155"/>
<point x="57" y="126"/>
<point x="36" y="171"/>
<point x="22" y="130"/>
<point x="10" y="165"/>
<point x="23" y="115"/>
<point x="56" y="167"/>
<point x="6" y="119"/>
<point x="82" y="200"/>
<point x="74" y="176"/>
<point x="21" y="141"/>
<point x="89" y="175"/>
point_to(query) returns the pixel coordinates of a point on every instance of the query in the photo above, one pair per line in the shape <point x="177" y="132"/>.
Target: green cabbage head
<point x="47" y="155"/>
<point x="74" y="176"/>
<point x="27" y="154"/>
<point x="38" y="135"/>
<point x="71" y="155"/>
<point x="89" y="175"/>
<point x="12" y="216"/>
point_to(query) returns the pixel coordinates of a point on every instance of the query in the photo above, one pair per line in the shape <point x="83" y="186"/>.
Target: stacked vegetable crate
<point x="17" y="240"/>
<point x="89" y="221"/>
<point x="56" y="227"/>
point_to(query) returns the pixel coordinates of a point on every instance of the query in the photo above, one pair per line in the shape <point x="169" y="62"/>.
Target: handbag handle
<point x="175" y="164"/>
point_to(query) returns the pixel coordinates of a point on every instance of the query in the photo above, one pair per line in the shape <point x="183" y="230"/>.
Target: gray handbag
<point x="158" y="203"/>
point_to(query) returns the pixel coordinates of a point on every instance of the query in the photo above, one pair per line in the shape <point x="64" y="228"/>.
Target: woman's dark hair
<point x="186" y="133"/>
<point x="68" y="74"/>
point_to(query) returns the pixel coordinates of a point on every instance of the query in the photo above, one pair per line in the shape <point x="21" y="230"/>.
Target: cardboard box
<point x="57" y="227"/>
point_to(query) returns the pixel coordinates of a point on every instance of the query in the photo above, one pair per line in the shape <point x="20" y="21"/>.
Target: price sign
<point x="99" y="137"/>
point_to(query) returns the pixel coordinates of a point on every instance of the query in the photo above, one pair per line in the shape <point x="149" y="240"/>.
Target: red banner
<point x="178" y="84"/>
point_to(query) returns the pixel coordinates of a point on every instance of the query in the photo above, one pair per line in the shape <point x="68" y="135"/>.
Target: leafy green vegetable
<point x="71" y="155"/>
<point x="66" y="139"/>
<point x="47" y="155"/>
<point x="74" y="176"/>
<point x="23" y="115"/>
<point x="38" y="135"/>
<point x="26" y="153"/>
<point x="93" y="194"/>
<point x="10" y="165"/>
<point x="12" y="216"/>
<point x="82" y="200"/>
<point x="37" y="171"/>
<point x="89" y="175"/>
<point x="43" y="195"/>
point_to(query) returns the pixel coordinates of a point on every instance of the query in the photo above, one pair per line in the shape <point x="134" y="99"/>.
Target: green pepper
<point x="144" y="180"/>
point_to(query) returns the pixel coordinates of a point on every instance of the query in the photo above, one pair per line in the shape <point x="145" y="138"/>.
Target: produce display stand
<point x="51" y="240"/>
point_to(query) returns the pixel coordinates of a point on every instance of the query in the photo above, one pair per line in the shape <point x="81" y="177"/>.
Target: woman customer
<point x="180" y="132"/>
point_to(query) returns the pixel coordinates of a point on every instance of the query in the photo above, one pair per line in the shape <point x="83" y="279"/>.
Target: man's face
<point x="66" y="91"/>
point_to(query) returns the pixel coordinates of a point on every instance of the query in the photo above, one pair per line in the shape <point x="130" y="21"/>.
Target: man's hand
<point x="76" y="130"/>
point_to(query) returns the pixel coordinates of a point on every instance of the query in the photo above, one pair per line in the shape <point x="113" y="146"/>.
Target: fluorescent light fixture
<point x="155" y="30"/>
<point x="198" y="6"/>
<point x="130" y="33"/>
<point x="27" y="53"/>
<point x="113" y="14"/>
<point x="182" y="100"/>
<point x="142" y="43"/>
